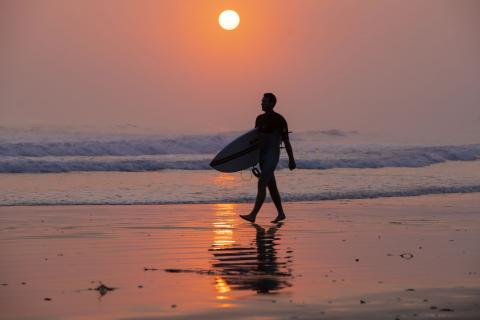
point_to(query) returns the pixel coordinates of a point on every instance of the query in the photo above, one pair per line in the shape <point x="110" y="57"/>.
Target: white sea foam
<point x="361" y="194"/>
<point x="328" y="157"/>
<point x="118" y="147"/>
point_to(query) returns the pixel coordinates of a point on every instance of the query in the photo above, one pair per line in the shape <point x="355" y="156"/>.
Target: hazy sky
<point x="381" y="65"/>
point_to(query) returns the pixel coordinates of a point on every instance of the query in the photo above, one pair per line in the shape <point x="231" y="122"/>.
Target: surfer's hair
<point x="271" y="97"/>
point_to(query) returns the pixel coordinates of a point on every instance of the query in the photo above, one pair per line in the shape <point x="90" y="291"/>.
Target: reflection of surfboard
<point x="240" y="154"/>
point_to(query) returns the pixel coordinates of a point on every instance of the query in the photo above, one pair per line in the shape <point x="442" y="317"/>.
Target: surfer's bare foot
<point x="248" y="217"/>
<point x="279" y="218"/>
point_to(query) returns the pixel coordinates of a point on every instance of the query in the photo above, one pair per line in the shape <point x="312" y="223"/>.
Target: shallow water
<point x="209" y="186"/>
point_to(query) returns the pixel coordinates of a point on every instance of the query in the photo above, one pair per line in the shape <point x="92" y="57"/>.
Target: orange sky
<point x="382" y="65"/>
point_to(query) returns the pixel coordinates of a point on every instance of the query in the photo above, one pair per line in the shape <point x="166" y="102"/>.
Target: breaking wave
<point x="328" y="149"/>
<point x="120" y="147"/>
<point x="411" y="157"/>
<point x="330" y="158"/>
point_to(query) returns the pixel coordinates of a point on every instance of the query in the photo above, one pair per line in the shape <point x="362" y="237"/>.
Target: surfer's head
<point x="268" y="102"/>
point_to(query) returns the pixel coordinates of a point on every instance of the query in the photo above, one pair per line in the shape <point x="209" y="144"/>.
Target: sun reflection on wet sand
<point x="223" y="237"/>
<point x="222" y="287"/>
<point x="223" y="224"/>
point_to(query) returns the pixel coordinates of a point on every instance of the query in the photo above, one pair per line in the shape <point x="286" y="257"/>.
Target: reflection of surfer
<point x="273" y="129"/>
<point x="256" y="267"/>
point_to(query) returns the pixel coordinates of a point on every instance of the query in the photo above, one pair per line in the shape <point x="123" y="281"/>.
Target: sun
<point x="229" y="19"/>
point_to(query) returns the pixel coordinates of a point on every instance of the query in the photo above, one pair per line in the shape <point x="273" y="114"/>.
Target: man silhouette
<point x="272" y="130"/>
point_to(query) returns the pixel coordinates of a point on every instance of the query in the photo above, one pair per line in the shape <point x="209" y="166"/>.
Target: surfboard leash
<point x="256" y="172"/>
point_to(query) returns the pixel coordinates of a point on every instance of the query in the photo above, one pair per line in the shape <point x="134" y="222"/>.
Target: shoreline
<point x="267" y="200"/>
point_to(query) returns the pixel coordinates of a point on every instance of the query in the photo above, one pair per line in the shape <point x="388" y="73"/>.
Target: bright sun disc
<point x="229" y="19"/>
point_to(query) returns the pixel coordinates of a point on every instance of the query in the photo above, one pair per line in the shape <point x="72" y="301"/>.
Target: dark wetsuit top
<point x="270" y="122"/>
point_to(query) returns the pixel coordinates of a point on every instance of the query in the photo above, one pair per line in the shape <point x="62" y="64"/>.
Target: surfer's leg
<point x="275" y="195"/>
<point x="261" y="194"/>
<point x="268" y="163"/>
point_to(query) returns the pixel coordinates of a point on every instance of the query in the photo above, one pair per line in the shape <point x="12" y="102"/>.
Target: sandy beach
<point x="390" y="258"/>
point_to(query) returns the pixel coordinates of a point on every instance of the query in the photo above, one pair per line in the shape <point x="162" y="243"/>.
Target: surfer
<point x="273" y="129"/>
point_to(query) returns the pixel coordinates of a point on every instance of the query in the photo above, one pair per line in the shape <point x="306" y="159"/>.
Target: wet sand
<point x="393" y="258"/>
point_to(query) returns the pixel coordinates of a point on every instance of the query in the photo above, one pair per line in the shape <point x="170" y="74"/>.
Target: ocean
<point x="61" y="167"/>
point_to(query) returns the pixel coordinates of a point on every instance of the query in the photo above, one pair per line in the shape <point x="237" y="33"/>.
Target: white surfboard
<point x="240" y="154"/>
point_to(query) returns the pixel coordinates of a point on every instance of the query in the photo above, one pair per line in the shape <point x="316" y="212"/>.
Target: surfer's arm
<point x="291" y="160"/>
<point x="286" y="141"/>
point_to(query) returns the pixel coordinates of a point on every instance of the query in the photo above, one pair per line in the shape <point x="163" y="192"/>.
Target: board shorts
<point x="269" y="155"/>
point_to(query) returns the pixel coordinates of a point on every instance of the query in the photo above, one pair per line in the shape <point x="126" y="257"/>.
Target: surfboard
<point x="240" y="154"/>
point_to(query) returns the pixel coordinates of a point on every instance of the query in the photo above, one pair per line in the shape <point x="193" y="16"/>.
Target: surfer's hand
<point x="291" y="164"/>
